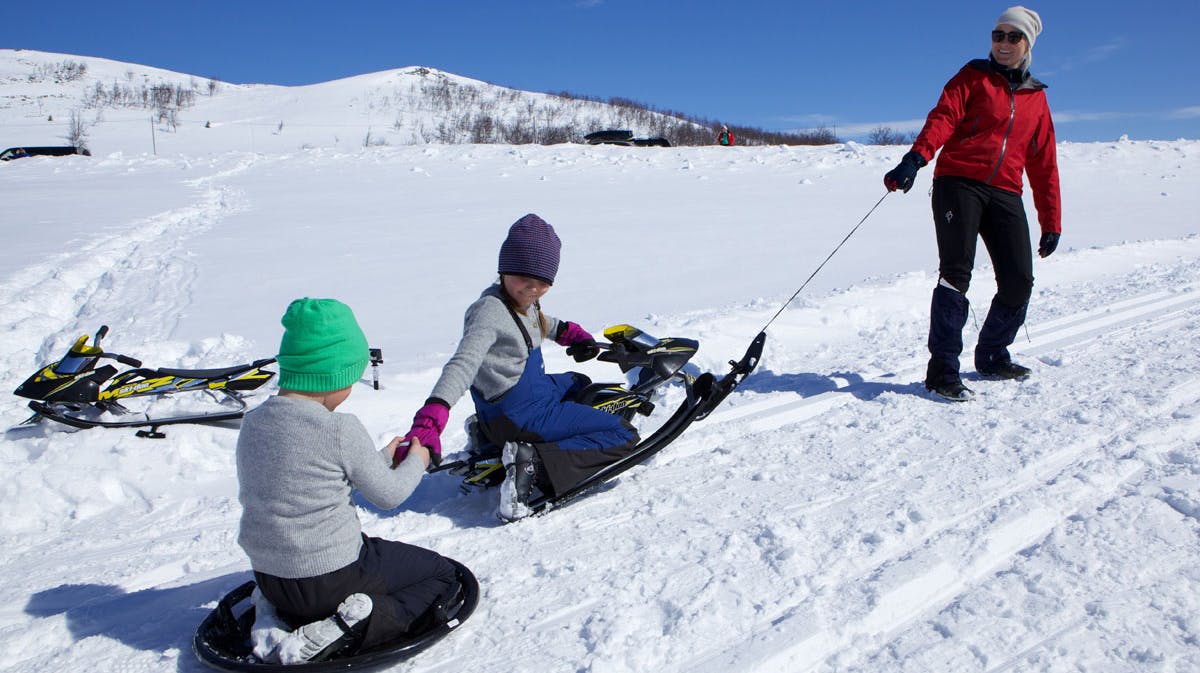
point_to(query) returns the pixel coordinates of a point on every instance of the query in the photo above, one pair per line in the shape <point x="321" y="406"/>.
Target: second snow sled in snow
<point x="223" y="639"/>
<point x="75" y="392"/>
<point x="651" y="363"/>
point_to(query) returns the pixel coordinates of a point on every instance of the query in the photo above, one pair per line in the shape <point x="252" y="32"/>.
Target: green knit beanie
<point x="323" y="349"/>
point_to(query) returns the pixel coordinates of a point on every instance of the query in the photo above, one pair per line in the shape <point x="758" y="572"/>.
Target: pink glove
<point x="427" y="427"/>
<point x="570" y="334"/>
<point x="580" y="345"/>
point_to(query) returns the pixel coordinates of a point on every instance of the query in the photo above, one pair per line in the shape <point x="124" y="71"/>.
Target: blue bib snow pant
<point x="573" y="440"/>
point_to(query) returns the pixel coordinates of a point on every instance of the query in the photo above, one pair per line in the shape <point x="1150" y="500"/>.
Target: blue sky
<point x="1113" y="68"/>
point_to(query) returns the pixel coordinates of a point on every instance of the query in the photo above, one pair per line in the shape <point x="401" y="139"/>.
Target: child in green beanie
<point x="297" y="462"/>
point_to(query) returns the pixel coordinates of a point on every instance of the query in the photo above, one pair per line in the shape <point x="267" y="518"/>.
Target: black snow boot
<point x="992" y="359"/>
<point x="947" y="315"/>
<point x="953" y="391"/>
<point x="1006" y="371"/>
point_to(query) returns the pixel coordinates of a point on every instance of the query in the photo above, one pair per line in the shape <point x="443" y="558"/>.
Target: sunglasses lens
<point x="997" y="36"/>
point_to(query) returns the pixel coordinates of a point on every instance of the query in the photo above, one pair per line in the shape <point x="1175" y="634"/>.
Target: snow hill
<point x="122" y="107"/>
<point x="830" y="517"/>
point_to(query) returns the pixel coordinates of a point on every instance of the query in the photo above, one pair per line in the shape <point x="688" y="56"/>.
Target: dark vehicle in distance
<point x="19" y="152"/>
<point x="623" y="137"/>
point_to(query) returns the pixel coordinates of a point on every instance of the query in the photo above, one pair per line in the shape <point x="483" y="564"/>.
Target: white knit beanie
<point x="1025" y="20"/>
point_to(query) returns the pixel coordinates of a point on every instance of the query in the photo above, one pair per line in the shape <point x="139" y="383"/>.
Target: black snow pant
<point x="402" y="580"/>
<point x="964" y="211"/>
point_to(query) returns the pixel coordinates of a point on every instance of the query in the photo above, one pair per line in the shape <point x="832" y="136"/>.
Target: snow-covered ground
<point x="830" y="517"/>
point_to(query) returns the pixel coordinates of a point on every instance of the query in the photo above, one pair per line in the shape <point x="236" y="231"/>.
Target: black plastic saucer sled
<point x="223" y="639"/>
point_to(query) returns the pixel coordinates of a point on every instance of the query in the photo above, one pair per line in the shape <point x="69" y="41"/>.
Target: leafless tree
<point x="77" y="131"/>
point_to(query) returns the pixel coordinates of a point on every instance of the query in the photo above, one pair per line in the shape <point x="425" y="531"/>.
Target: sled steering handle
<point x="124" y="359"/>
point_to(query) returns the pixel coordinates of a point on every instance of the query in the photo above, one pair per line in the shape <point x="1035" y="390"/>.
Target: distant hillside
<point x="63" y="99"/>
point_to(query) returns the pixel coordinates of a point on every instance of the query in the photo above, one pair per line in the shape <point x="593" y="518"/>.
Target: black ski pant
<point x="965" y="211"/>
<point x="402" y="580"/>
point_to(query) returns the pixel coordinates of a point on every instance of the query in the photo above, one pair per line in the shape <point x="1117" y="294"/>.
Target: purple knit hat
<point x="531" y="249"/>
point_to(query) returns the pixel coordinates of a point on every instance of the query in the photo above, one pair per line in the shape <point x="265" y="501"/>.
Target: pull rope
<point x="822" y="265"/>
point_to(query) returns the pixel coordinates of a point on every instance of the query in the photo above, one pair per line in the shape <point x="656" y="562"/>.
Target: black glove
<point x="1048" y="243"/>
<point x="584" y="350"/>
<point x="902" y="176"/>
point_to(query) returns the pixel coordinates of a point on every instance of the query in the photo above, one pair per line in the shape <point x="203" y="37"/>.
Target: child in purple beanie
<point x="550" y="441"/>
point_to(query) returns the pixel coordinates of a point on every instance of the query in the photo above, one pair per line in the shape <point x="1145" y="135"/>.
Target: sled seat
<point x="220" y="373"/>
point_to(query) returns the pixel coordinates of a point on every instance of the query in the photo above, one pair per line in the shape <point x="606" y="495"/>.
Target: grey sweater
<point x="492" y="353"/>
<point x="297" y="463"/>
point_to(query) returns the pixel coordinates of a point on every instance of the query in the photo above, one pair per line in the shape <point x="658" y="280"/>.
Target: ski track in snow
<point x="799" y="641"/>
<point x="918" y="576"/>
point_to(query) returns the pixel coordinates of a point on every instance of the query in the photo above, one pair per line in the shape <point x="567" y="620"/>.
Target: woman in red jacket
<point x="991" y="123"/>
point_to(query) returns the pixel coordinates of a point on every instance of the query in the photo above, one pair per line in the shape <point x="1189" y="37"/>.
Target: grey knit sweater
<point x="492" y="353"/>
<point x="297" y="463"/>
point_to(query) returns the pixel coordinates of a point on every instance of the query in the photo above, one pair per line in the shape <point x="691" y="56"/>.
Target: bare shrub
<point x="168" y="116"/>
<point x="158" y="96"/>
<point x="884" y="135"/>
<point x="482" y="129"/>
<point x="77" y="131"/>
<point x="59" y="73"/>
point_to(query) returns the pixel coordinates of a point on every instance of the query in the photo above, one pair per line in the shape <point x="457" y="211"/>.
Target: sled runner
<point x="223" y="639"/>
<point x="75" y="392"/>
<point x="659" y="362"/>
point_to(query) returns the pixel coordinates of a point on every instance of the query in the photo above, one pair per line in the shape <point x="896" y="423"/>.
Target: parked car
<point x="19" y="152"/>
<point x="611" y="137"/>
<point x="623" y="137"/>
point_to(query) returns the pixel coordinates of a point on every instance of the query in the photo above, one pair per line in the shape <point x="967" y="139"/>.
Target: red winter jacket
<point x="988" y="132"/>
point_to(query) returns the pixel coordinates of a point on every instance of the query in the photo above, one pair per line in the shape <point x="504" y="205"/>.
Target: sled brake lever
<point x="608" y="352"/>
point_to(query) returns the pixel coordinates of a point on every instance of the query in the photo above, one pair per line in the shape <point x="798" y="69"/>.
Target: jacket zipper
<point x="1012" y="115"/>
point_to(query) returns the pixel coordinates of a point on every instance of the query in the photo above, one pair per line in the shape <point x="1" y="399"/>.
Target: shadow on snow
<point x="152" y="620"/>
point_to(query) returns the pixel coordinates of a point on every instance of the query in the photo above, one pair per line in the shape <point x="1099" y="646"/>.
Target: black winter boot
<point x="1006" y="371"/>
<point x="947" y="315"/>
<point x="953" y="391"/>
<point x="992" y="359"/>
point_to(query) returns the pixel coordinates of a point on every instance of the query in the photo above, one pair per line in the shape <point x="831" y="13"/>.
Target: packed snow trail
<point x="1056" y="480"/>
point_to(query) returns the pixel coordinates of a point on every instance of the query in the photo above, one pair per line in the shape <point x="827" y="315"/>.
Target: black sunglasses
<point x="1014" y="36"/>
